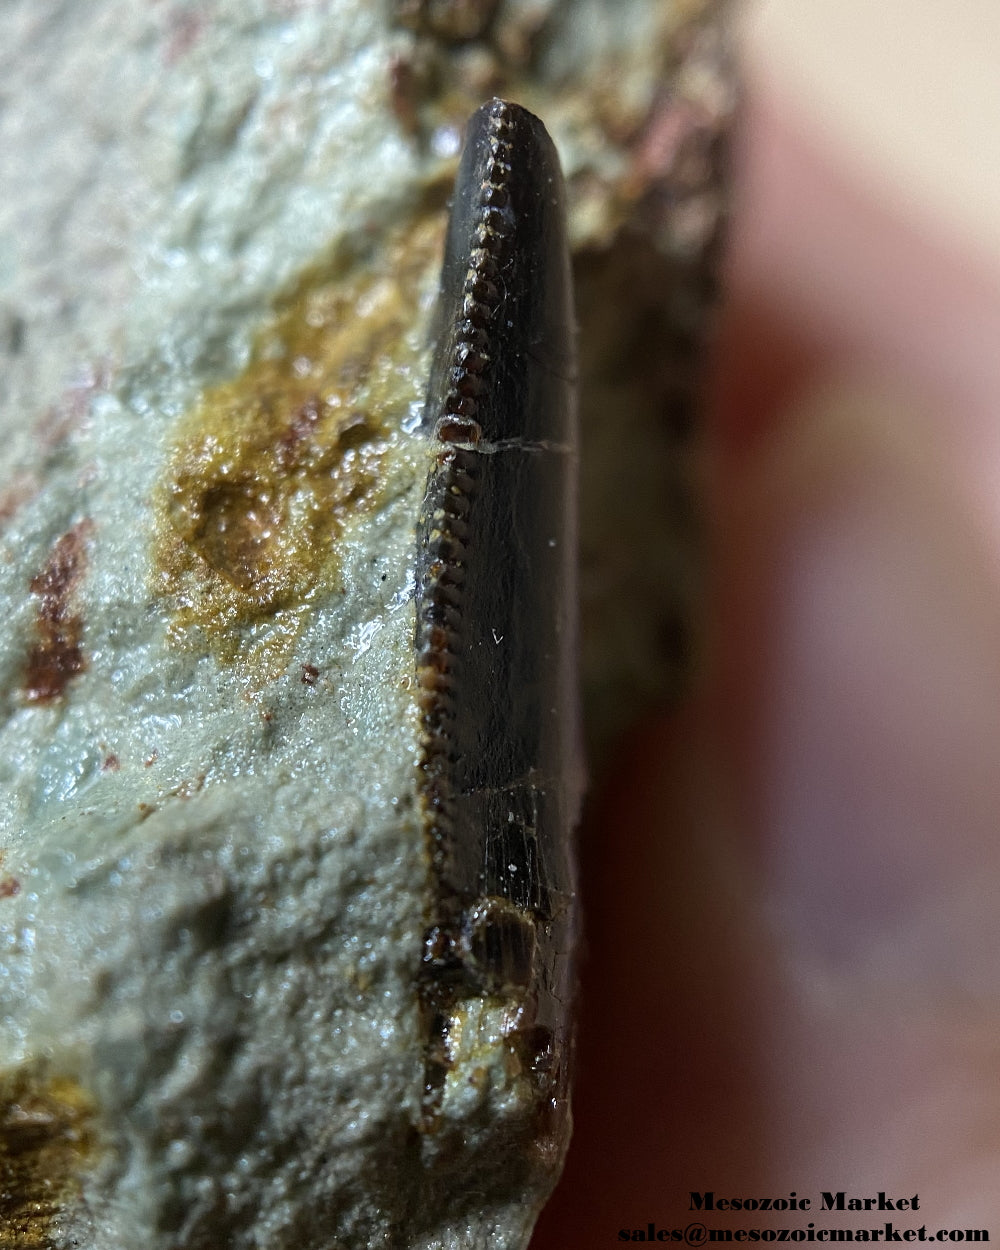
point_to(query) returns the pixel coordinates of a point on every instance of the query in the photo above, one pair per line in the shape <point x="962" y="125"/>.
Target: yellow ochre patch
<point x="270" y="467"/>
<point x="46" y="1141"/>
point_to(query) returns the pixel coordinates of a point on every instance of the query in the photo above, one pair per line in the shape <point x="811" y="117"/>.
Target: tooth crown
<point x="498" y="779"/>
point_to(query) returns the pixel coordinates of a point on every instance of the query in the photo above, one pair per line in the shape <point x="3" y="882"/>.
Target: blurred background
<point x="791" y="975"/>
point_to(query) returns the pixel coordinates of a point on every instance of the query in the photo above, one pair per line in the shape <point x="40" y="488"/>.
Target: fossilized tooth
<point x="500" y="775"/>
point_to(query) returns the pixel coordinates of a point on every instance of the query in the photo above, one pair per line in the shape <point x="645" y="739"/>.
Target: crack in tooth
<point x="450" y="536"/>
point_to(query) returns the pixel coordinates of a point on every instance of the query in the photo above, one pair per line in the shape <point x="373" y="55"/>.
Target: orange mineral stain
<point x="271" y="467"/>
<point x="47" y="1140"/>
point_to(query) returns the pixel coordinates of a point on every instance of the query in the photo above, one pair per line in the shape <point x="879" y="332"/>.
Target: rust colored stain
<point x="54" y="426"/>
<point x="9" y="885"/>
<point x="270" y="467"/>
<point x="184" y="29"/>
<point x="56" y="655"/>
<point x="404" y="94"/>
<point x="18" y="491"/>
<point x="46" y="1141"/>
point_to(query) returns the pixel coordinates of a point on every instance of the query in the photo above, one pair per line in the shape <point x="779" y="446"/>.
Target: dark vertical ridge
<point x="496" y="614"/>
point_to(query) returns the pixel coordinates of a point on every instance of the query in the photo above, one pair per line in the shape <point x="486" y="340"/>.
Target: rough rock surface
<point x="220" y="228"/>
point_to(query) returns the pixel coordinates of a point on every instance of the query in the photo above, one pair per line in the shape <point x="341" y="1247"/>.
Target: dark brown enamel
<point x="496" y="599"/>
